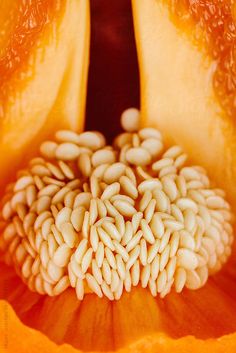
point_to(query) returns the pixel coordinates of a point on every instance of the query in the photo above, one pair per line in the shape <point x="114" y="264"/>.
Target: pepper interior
<point x="98" y="324"/>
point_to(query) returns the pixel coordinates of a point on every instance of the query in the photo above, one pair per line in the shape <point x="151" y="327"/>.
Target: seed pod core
<point x="102" y="219"/>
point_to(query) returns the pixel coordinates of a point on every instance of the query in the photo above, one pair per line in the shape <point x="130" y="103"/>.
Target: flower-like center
<point x="105" y="218"/>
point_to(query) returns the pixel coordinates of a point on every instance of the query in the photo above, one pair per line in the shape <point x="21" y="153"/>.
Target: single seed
<point x="110" y="191"/>
<point x="149" y="132"/>
<point x="153" y="146"/>
<point x="125" y="208"/>
<point x="93" y="140"/>
<point x="68" y="233"/>
<point x="187" y="259"/>
<point x="67" y="151"/>
<point x="103" y="156"/>
<point x="138" y="156"/>
<point x="62" y="255"/>
<point x="147" y="232"/>
<point x="150" y="184"/>
<point x="130" y="119"/>
<point x="114" y="172"/>
<point x="48" y="149"/>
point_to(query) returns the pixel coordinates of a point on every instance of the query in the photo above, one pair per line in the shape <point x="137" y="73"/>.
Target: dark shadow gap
<point x="113" y="82"/>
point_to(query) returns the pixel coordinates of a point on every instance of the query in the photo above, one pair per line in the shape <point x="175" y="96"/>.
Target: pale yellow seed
<point x="130" y="119"/>
<point x="48" y="149"/>
<point x="62" y="255"/>
<point x="128" y="187"/>
<point x="125" y="208"/>
<point x="187" y="259"/>
<point x="67" y="151"/>
<point x="138" y="156"/>
<point x="69" y="234"/>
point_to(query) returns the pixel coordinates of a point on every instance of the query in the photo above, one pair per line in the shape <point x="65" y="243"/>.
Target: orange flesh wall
<point x="183" y="90"/>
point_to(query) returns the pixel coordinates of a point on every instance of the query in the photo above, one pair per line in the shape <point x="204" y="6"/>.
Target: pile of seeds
<point x="104" y="218"/>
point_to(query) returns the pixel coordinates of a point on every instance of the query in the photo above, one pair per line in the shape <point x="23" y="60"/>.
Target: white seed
<point x="170" y="188"/>
<point x="62" y="255"/>
<point x="150" y="184"/>
<point x="130" y="119"/>
<point x="149" y="132"/>
<point x="152" y="251"/>
<point x="187" y="259"/>
<point x="135" y="273"/>
<point x="138" y="156"/>
<point x="110" y="191"/>
<point x="63" y="216"/>
<point x="103" y="156"/>
<point x="79" y="289"/>
<point x="55" y="170"/>
<point x="67" y="136"/>
<point x="128" y="186"/>
<point x="127" y="234"/>
<point x="162" y="163"/>
<point x="83" y="199"/>
<point x="186" y="240"/>
<point x="67" y="171"/>
<point x="67" y="151"/>
<point x="105" y="238"/>
<point x="147" y="232"/>
<point x="123" y="198"/>
<point x="100" y="254"/>
<point x="68" y="233"/>
<point x="114" y="172"/>
<point x="145" y="275"/>
<point x="173" y="152"/>
<point x="134" y="254"/>
<point x="153" y="146"/>
<point x="49" y="190"/>
<point x="121" y="250"/>
<point x="60" y="195"/>
<point x="124" y="208"/>
<point x="61" y="286"/>
<point x="146" y="198"/>
<point x="85" y="225"/>
<point x="143" y="252"/>
<point x="111" y="229"/>
<point x="48" y="149"/>
<point x="84" y="164"/>
<point x="54" y="271"/>
<point x="193" y="280"/>
<point x="164" y="258"/>
<point x="162" y="201"/>
<point x="120" y="266"/>
<point x="184" y="203"/>
<point x="173" y="225"/>
<point x="170" y="268"/>
<point x="180" y="160"/>
<point x="86" y="261"/>
<point x="215" y="202"/>
<point x="107" y="291"/>
<point x="77" y="217"/>
<point x="114" y="280"/>
<point x="136" y="219"/>
<point x="23" y="182"/>
<point x="189" y="173"/>
<point x="93" y="140"/>
<point x="134" y="241"/>
<point x="93" y="212"/>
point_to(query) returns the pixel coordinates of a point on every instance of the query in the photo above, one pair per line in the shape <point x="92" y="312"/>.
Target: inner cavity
<point x="113" y="80"/>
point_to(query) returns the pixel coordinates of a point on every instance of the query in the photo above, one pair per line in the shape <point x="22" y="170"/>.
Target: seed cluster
<point x="104" y="218"/>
